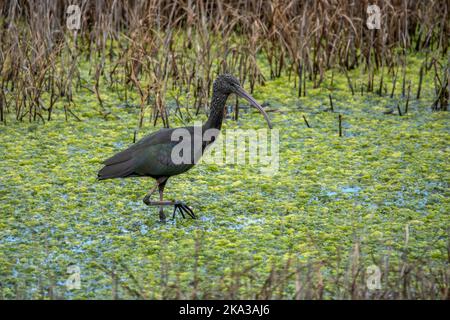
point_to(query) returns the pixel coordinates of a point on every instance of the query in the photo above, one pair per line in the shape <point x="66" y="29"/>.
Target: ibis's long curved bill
<point x="242" y="93"/>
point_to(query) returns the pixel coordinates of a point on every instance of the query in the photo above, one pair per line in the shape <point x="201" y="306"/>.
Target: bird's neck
<point x="216" y="114"/>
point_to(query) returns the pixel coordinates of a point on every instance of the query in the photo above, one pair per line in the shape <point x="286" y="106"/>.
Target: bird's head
<point x="228" y="84"/>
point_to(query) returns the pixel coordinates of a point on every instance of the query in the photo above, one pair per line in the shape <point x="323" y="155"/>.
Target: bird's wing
<point x="154" y="138"/>
<point x="150" y="156"/>
<point x="126" y="162"/>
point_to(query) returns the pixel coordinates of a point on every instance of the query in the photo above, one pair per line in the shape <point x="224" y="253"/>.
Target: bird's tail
<point x="116" y="170"/>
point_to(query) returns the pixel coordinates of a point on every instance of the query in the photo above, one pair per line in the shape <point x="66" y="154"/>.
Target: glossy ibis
<point x="152" y="155"/>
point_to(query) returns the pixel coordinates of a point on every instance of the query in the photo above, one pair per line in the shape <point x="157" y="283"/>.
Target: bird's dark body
<point x="151" y="156"/>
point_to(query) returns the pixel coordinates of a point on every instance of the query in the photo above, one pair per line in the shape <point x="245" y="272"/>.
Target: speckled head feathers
<point x="226" y="84"/>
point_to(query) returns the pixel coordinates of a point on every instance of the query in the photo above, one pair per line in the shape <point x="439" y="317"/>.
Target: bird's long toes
<point x="179" y="207"/>
<point x="182" y="208"/>
<point x="174" y="212"/>
<point x="189" y="211"/>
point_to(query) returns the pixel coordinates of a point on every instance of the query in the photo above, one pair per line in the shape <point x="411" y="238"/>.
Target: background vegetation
<point x="363" y="149"/>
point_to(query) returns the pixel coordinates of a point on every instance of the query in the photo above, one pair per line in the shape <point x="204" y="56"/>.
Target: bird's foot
<point x="182" y="208"/>
<point x="147" y="200"/>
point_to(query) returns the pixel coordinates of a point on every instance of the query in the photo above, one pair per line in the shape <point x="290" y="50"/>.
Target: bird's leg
<point x="149" y="194"/>
<point x="161" y="186"/>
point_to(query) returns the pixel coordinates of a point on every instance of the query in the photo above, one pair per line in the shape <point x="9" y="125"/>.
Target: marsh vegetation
<point x="363" y="178"/>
